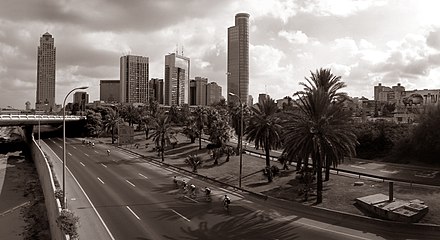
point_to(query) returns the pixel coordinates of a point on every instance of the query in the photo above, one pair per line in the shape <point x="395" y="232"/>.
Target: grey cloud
<point x="433" y="39"/>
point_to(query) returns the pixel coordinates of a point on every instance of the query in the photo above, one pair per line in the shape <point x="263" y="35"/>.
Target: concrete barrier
<point x="53" y="206"/>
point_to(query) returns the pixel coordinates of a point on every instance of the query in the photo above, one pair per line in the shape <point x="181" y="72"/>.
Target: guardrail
<point x="11" y="119"/>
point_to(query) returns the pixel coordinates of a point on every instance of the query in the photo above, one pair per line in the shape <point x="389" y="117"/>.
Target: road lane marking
<point x="86" y="154"/>
<point x="140" y="174"/>
<point x="60" y="146"/>
<point x="74" y="147"/>
<point x="386" y="171"/>
<point x="180" y="215"/>
<point x="85" y="194"/>
<point x="333" y="231"/>
<point x="100" y="180"/>
<point x="354" y="166"/>
<point x="130" y="183"/>
<point x="69" y="154"/>
<point x="82" y="164"/>
<point x="103" y="165"/>
<point x="191" y="199"/>
<point x="133" y="212"/>
<point x="96" y="152"/>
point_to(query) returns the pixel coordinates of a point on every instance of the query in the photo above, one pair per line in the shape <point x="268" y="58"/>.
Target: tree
<point x="93" y="123"/>
<point x="218" y="130"/>
<point x="194" y="162"/>
<point x="264" y="129"/>
<point x="235" y="113"/>
<point x="200" y="118"/>
<point x="320" y="128"/>
<point x="130" y="114"/>
<point x="111" y="122"/>
<point x="163" y="133"/>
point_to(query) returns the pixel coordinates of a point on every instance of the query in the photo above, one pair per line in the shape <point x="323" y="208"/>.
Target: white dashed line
<point x="82" y="164"/>
<point x="60" y="146"/>
<point x="69" y="154"/>
<point x="100" y="180"/>
<point x="133" y="212"/>
<point x="86" y="154"/>
<point x="130" y="183"/>
<point x="140" y="174"/>
<point x="180" y="215"/>
<point x="74" y="147"/>
<point x="96" y="151"/>
<point x="191" y="199"/>
<point x="354" y="166"/>
<point x="103" y="165"/>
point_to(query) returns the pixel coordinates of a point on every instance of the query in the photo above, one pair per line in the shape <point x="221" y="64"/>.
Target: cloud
<point x="433" y="39"/>
<point x="294" y="37"/>
<point x="341" y="8"/>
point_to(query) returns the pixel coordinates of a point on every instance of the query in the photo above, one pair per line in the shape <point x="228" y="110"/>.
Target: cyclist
<point x="175" y="181"/>
<point x="184" y="186"/>
<point x="208" y="193"/>
<point x="193" y="190"/>
<point x="226" y="202"/>
<point x="108" y="152"/>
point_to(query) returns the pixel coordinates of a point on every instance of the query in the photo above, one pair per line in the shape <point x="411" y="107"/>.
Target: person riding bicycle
<point x="108" y="152"/>
<point x="193" y="189"/>
<point x="226" y="201"/>
<point x="207" y="191"/>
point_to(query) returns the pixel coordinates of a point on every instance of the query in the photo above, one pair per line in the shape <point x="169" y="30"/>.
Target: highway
<point x="137" y="199"/>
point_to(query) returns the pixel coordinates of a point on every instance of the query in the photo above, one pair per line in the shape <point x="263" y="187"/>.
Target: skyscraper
<point x="109" y="91"/>
<point x="156" y="86"/>
<point x="238" y="58"/>
<point x="46" y="73"/>
<point x="177" y="69"/>
<point x="134" y="79"/>
<point x="81" y="98"/>
<point x="213" y="93"/>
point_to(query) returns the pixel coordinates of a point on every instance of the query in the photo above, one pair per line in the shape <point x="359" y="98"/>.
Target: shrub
<point x="68" y="223"/>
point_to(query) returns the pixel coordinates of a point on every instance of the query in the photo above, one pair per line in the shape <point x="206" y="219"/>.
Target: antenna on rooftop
<point x="182" y="50"/>
<point x="177" y="48"/>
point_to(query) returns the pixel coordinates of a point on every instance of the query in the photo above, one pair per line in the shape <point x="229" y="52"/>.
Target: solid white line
<point x="69" y="154"/>
<point x="233" y="193"/>
<point x="329" y="230"/>
<point x="180" y="215"/>
<point x="140" y="174"/>
<point x="100" y="180"/>
<point x="86" y="154"/>
<point x="85" y="194"/>
<point x="103" y="165"/>
<point x="354" y="166"/>
<point x="130" y="183"/>
<point x="82" y="164"/>
<point x="132" y="212"/>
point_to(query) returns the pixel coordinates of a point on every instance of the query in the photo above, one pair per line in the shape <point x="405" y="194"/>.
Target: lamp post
<point x="64" y="145"/>
<point x="241" y="138"/>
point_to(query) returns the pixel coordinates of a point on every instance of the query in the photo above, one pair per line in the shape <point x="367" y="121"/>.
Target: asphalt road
<point x="137" y="199"/>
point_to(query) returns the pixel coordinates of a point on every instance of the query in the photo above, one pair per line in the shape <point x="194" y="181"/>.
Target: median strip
<point x="180" y="215"/>
<point x="133" y="212"/>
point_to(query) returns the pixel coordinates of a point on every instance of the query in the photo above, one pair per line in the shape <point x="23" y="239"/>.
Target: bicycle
<point x="192" y="193"/>
<point x="226" y="202"/>
<point x="108" y="152"/>
<point x="208" y="194"/>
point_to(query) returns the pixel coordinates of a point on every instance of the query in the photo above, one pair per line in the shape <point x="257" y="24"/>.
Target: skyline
<point x="366" y="43"/>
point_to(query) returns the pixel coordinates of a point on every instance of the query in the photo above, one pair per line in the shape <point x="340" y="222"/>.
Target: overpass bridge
<point x="25" y="123"/>
<point x="21" y="119"/>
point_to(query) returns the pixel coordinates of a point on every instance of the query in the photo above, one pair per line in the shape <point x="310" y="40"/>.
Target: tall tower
<point x="134" y="79"/>
<point x="46" y="73"/>
<point x="238" y="58"/>
<point x="177" y="69"/>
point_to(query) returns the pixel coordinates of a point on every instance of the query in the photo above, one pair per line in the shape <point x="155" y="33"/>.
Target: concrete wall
<point x="53" y="205"/>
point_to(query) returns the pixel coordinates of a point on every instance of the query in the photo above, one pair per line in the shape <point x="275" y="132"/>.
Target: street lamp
<point x="241" y="138"/>
<point x="64" y="145"/>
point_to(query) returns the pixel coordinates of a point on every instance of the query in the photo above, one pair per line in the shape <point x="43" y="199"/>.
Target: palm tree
<point x="200" y="118"/>
<point x="130" y="114"/>
<point x="194" y="162"/>
<point x="111" y="122"/>
<point x="235" y="112"/>
<point x="163" y="133"/>
<point x="264" y="129"/>
<point x="319" y="129"/>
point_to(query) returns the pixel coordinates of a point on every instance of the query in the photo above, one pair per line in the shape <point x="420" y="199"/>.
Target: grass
<point x="339" y="192"/>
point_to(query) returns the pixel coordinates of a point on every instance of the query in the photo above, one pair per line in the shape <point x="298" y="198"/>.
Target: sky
<point x="364" y="42"/>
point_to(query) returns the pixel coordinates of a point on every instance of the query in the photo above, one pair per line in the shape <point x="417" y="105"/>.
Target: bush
<point x="68" y="223"/>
